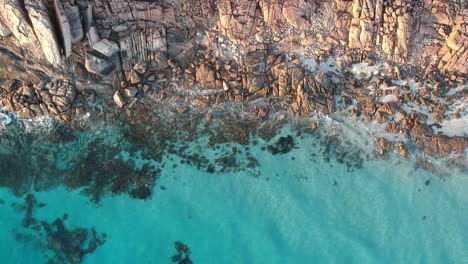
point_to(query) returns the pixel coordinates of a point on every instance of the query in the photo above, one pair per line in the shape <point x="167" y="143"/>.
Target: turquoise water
<point x="295" y="209"/>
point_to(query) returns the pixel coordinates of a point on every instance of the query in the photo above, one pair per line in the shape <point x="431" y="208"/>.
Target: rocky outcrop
<point x="418" y="31"/>
<point x="430" y="35"/>
<point x="52" y="97"/>
<point x="437" y="145"/>
<point x="296" y="51"/>
<point x="73" y="16"/>
<point x="38" y="13"/>
<point x="14" y="16"/>
<point x="95" y="63"/>
<point x="64" y="27"/>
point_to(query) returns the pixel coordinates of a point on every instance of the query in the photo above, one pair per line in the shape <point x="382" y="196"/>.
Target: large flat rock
<point x="64" y="27"/>
<point x="15" y="19"/>
<point x="44" y="29"/>
<point x="98" y="65"/>
<point x="73" y="16"/>
<point x="106" y="47"/>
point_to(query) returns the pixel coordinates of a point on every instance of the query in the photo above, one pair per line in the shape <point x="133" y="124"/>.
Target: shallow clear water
<point x="299" y="210"/>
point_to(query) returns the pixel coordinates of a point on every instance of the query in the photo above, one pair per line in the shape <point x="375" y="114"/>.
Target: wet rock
<point x="5" y="119"/>
<point x="89" y="95"/>
<point x="208" y="118"/>
<point x="402" y="150"/>
<point x="313" y="126"/>
<point x="383" y="145"/>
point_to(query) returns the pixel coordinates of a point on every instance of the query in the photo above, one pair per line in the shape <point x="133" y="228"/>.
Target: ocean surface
<point x="291" y="208"/>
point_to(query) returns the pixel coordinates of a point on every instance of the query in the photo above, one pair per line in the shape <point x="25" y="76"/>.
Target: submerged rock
<point x="66" y="245"/>
<point x="183" y="253"/>
<point x="141" y="193"/>
<point x="282" y="146"/>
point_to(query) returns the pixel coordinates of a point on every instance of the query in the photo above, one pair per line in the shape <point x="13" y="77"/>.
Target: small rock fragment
<point x="131" y="92"/>
<point x="118" y="99"/>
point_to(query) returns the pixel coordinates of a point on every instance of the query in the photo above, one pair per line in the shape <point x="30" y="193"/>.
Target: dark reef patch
<point x="122" y="152"/>
<point x="125" y="152"/>
<point x="343" y="152"/>
<point x="69" y="246"/>
<point x="282" y="146"/>
<point x="65" y="245"/>
<point x="182" y="255"/>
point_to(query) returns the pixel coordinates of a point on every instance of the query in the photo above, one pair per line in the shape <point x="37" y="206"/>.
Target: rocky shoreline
<point x="111" y="151"/>
<point x="399" y="63"/>
<point x="63" y="102"/>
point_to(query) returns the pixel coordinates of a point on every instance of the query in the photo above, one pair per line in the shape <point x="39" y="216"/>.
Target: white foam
<point x="5" y="119"/>
<point x="414" y="86"/>
<point x="455" y="127"/>
<point x="454" y="90"/>
<point x="309" y="64"/>
<point x="40" y="123"/>
<point x="328" y="66"/>
<point x="364" y="69"/>
<point x="388" y="98"/>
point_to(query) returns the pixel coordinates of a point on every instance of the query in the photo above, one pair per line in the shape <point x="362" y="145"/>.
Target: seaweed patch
<point x="182" y="255"/>
<point x="59" y="243"/>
